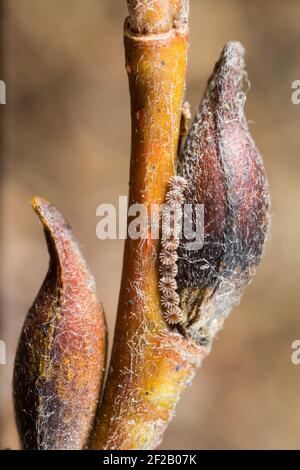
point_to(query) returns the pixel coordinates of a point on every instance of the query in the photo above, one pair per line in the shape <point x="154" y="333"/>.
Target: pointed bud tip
<point x="232" y="57"/>
<point x="234" y="51"/>
<point x="51" y="218"/>
<point x="226" y="83"/>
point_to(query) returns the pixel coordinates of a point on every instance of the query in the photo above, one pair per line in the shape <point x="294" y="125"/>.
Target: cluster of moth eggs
<point x="169" y="297"/>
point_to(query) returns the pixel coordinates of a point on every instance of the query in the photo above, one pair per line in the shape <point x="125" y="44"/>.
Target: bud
<point x="223" y="171"/>
<point x="61" y="354"/>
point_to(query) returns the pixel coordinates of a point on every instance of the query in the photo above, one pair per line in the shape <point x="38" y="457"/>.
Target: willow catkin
<point x="221" y="168"/>
<point x="60" y="359"/>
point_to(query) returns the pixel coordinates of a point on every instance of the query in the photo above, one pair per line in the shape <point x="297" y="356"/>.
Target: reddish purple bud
<point x="225" y="173"/>
<point x="60" y="359"/>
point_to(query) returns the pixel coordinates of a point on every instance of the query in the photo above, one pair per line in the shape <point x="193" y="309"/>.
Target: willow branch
<point x="150" y="364"/>
<point x="166" y="324"/>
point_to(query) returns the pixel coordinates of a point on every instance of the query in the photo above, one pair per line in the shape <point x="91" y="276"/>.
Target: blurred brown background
<point x="66" y="135"/>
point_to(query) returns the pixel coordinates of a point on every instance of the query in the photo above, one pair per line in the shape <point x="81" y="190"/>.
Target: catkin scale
<point x="60" y="358"/>
<point x="171" y="271"/>
<point x="170" y="299"/>
<point x="170" y="244"/>
<point x="173" y="315"/>
<point x="167" y="284"/>
<point x="174" y="197"/>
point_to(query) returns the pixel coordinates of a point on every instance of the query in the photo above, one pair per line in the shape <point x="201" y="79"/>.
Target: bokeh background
<point x="65" y="135"/>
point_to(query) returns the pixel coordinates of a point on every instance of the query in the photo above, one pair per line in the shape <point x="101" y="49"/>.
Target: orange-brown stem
<point x="150" y="364"/>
